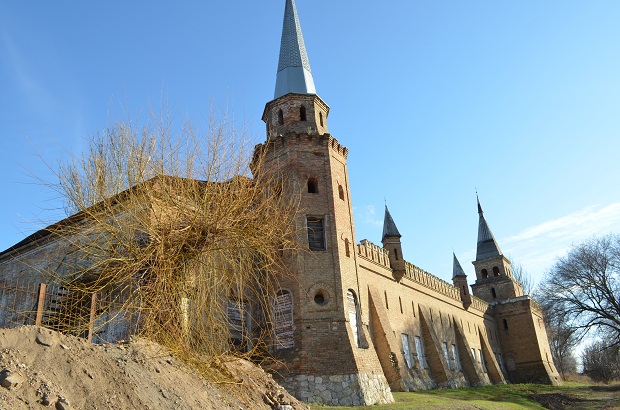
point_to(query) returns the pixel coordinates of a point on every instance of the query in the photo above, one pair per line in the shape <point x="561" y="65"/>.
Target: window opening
<point x="406" y="350"/>
<point x="283" y="317"/>
<point x="493" y="293"/>
<point x="346" y="248"/>
<point x="313" y="186"/>
<point x="353" y="309"/>
<point x="387" y="306"/>
<point x="340" y="192"/>
<point x="395" y="253"/>
<point x="485" y="273"/>
<point x="446" y="354"/>
<point x="495" y="271"/>
<point x="316" y="233"/>
<point x="482" y="362"/>
<point x="400" y="302"/>
<point x="280" y="117"/>
<point x="419" y="347"/>
<point x="302" y="113"/>
<point x="319" y="298"/>
<point x="505" y="324"/>
<point x="321" y="118"/>
<point x="457" y="360"/>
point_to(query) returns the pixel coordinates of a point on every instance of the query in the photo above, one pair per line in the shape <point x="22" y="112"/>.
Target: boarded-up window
<point x="419" y="347"/>
<point x="353" y="312"/>
<point x="407" y="350"/>
<point x="446" y="354"/>
<point x="455" y="354"/>
<point x="283" y="318"/>
<point x="235" y="311"/>
<point x="316" y="233"/>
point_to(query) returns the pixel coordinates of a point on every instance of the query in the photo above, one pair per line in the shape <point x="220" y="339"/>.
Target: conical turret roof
<point x="294" y="74"/>
<point x="457" y="269"/>
<point x="389" y="227"/>
<point x="487" y="246"/>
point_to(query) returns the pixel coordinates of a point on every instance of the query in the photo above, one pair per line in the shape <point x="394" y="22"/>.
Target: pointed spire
<point x="457" y="269"/>
<point x="294" y="75"/>
<point x="487" y="246"/>
<point x="389" y="227"/>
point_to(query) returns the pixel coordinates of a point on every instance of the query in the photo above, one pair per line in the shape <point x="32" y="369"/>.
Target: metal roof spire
<point x="294" y="75"/>
<point x="457" y="269"/>
<point x="389" y="227"/>
<point x="487" y="246"/>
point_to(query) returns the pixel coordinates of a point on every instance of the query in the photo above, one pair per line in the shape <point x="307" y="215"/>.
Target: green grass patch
<point x="498" y="397"/>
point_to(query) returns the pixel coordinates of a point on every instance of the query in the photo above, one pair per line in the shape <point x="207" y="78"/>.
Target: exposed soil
<point x="40" y="368"/>
<point x="581" y="398"/>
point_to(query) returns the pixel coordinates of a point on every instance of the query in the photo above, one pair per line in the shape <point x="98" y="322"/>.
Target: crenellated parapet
<point x="373" y="253"/>
<point x="431" y="281"/>
<point x="299" y="141"/>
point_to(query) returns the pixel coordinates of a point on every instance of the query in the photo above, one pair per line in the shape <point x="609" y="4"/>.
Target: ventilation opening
<point x="340" y="192"/>
<point x="395" y="253"/>
<point x="484" y="273"/>
<point x="493" y="293"/>
<point x="387" y="306"/>
<point x="313" y="186"/>
<point x="346" y="248"/>
<point x="320" y="298"/>
<point x="280" y="117"/>
<point x="505" y="324"/>
<point x="495" y="271"/>
<point x="302" y="113"/>
<point x="321" y="118"/>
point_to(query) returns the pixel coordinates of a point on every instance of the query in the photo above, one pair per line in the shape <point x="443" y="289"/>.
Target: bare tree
<point x="523" y="277"/>
<point x="583" y="288"/>
<point x="171" y="227"/>
<point x="601" y="362"/>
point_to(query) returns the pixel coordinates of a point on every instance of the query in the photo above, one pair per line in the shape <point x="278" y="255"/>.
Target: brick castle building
<point x="363" y="320"/>
<point x="357" y="321"/>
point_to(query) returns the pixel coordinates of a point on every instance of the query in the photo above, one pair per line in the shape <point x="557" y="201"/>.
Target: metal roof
<point x="294" y="74"/>
<point x="457" y="269"/>
<point x="389" y="227"/>
<point x="487" y="246"/>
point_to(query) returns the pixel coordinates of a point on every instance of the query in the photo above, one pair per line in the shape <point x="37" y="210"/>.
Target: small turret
<point x="459" y="279"/>
<point x="391" y="242"/>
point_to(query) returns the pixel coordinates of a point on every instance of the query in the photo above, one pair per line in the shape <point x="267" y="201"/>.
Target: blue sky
<point x="434" y="99"/>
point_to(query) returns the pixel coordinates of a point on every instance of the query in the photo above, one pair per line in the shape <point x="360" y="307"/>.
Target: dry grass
<point x="173" y="228"/>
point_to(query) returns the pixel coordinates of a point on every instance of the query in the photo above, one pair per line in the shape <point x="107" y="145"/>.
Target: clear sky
<point x="434" y="98"/>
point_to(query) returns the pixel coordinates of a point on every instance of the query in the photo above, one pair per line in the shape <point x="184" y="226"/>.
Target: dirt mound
<point x="42" y="368"/>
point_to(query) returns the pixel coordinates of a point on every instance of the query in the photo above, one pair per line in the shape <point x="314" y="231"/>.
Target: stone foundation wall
<point x="340" y="390"/>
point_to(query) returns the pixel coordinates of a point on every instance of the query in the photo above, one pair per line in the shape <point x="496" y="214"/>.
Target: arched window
<point x="321" y="118"/>
<point x="493" y="293"/>
<point x="302" y="113"/>
<point x="495" y="271"/>
<point x="313" y="186"/>
<point x="340" y="192"/>
<point x="484" y="273"/>
<point x="283" y="320"/>
<point x="346" y="248"/>
<point x="280" y="117"/>
<point x="353" y="312"/>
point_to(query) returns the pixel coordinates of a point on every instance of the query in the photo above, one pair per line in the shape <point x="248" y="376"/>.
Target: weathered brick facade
<point x="407" y="329"/>
<point x="364" y="321"/>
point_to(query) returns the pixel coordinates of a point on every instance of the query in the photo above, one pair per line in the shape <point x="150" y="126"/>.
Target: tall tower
<point x="327" y="353"/>
<point x="494" y="280"/>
